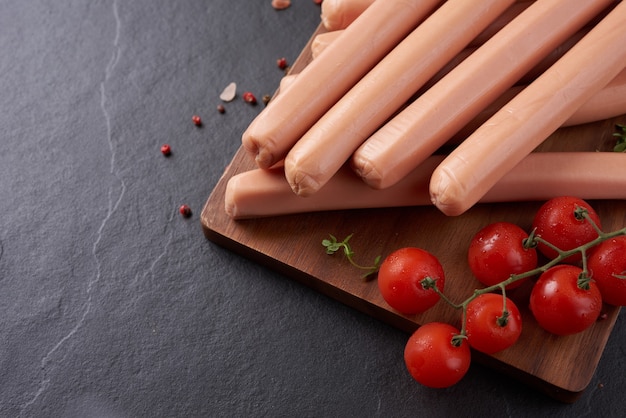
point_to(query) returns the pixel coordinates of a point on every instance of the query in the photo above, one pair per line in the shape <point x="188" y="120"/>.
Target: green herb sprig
<point x="332" y="246"/>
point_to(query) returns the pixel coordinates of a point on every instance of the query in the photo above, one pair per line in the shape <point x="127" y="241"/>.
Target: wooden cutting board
<point x="562" y="367"/>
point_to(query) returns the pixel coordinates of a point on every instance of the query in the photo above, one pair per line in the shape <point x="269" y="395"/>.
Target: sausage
<point x="531" y="116"/>
<point x="433" y="118"/>
<point x="607" y="103"/>
<point x="338" y="14"/>
<point x="506" y="17"/>
<point x="539" y="176"/>
<point x="326" y="79"/>
<point x="322" y="40"/>
<point x="324" y="148"/>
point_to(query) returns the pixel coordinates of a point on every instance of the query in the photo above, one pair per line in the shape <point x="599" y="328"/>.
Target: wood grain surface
<point x="561" y="367"/>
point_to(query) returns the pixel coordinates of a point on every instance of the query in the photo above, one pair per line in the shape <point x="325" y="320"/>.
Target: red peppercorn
<point x="166" y="150"/>
<point x="185" y="211"/>
<point x="281" y="63"/>
<point x="317" y="1"/>
<point x="249" y="98"/>
<point x="196" y="120"/>
<point x="221" y="108"/>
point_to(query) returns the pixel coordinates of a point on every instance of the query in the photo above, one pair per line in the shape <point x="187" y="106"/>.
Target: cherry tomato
<point x="497" y="251"/>
<point x="560" y="306"/>
<point x="484" y="329"/>
<point x="607" y="267"/>
<point x="400" y="276"/>
<point x="556" y="223"/>
<point x="431" y="357"/>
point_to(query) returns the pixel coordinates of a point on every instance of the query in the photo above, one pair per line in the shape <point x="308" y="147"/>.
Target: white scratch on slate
<point x="113" y="204"/>
<point x="162" y="254"/>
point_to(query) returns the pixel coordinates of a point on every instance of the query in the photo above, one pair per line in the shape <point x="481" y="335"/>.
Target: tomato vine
<point x="586" y="265"/>
<point x="333" y="245"/>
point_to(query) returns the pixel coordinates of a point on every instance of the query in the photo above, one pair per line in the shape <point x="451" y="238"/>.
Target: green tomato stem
<point x="504" y="319"/>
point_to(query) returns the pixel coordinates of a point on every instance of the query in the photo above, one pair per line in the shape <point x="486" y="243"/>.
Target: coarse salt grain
<point x="229" y="92"/>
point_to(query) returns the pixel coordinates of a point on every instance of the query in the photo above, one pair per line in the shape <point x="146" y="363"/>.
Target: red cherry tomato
<point x="484" y="329"/>
<point x="607" y="267"/>
<point x="497" y="251"/>
<point x="560" y="306"/>
<point x="432" y="359"/>
<point x="400" y="276"/>
<point x="556" y="223"/>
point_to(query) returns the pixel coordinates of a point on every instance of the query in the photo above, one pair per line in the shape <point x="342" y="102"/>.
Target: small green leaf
<point x="620" y="145"/>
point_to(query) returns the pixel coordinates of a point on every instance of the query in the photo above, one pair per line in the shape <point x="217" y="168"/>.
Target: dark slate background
<point x="111" y="303"/>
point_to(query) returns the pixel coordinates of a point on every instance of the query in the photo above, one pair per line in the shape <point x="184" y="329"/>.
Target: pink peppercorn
<point x="166" y="150"/>
<point x="249" y="98"/>
<point x="185" y="211"/>
<point x="196" y="120"/>
<point x="281" y="63"/>
<point x="221" y="108"/>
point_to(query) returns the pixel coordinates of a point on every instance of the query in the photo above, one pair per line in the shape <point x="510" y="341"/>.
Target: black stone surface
<point x="111" y="303"/>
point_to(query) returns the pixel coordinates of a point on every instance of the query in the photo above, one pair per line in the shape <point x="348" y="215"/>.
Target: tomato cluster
<point x="584" y="269"/>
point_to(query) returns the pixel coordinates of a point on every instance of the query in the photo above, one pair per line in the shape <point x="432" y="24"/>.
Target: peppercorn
<point x="196" y="120"/>
<point x="221" y="108"/>
<point x="249" y="98"/>
<point x="281" y="63"/>
<point x="185" y="211"/>
<point x="266" y="99"/>
<point x="166" y="150"/>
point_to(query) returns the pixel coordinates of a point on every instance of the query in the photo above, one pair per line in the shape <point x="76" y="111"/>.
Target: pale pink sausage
<point x="322" y="40"/>
<point x="510" y="14"/>
<point x="530" y="117"/>
<point x="261" y="193"/>
<point x="286" y="81"/>
<point x="607" y="103"/>
<point x="539" y="176"/>
<point x="325" y="80"/>
<point x="431" y="120"/>
<point x="338" y="14"/>
<point x="324" y="148"/>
